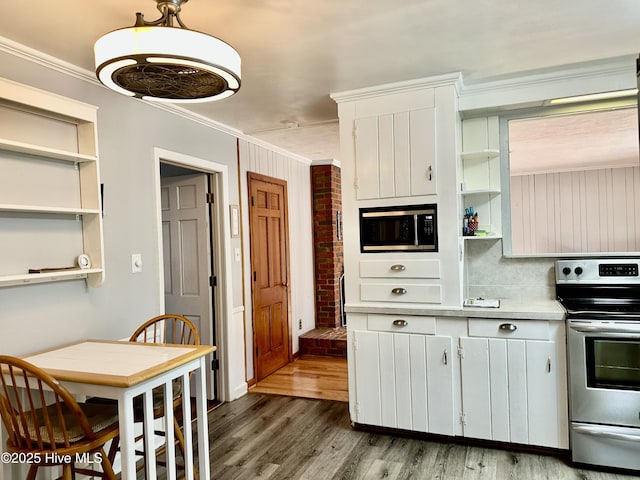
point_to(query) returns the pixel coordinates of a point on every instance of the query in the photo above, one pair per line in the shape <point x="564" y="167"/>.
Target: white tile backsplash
<point x="490" y="275"/>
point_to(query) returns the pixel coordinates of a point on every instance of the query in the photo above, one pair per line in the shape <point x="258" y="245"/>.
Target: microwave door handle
<point x="415" y="229"/>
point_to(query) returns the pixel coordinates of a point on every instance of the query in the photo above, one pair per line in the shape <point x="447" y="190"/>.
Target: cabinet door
<point x="367" y="381"/>
<point x="422" y="134"/>
<point x="404" y="381"/>
<point x="510" y="391"/>
<point x="547" y="423"/>
<point x="395" y="155"/>
<point x="476" y="388"/>
<point x="440" y="385"/>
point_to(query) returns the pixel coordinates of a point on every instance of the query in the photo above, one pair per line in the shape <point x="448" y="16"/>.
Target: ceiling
<point x="296" y="52"/>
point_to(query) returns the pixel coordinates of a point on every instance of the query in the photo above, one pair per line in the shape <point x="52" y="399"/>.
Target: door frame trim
<point x="279" y="181"/>
<point x="221" y="252"/>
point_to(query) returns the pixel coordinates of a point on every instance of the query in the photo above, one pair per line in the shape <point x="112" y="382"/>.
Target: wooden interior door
<point x="270" y="271"/>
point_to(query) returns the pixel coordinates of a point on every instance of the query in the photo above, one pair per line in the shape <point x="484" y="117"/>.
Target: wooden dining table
<point x="122" y="370"/>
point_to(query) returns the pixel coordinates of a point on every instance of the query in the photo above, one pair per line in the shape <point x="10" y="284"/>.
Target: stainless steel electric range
<point x="602" y="299"/>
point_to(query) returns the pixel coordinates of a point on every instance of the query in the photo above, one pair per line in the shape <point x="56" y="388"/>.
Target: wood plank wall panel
<point x="581" y="211"/>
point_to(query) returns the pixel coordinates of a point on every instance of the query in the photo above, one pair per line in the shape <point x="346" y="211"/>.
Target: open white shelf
<point x="485" y="153"/>
<point x="57" y="165"/>
<point x="4" y="207"/>
<point x="51" y="153"/>
<point x="482" y="237"/>
<point x="480" y="192"/>
<point x="32" y="278"/>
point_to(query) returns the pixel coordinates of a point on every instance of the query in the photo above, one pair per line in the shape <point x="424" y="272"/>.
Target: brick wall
<point x="328" y="250"/>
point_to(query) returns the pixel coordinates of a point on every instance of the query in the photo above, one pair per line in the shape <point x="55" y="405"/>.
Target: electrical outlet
<point x="300" y="324"/>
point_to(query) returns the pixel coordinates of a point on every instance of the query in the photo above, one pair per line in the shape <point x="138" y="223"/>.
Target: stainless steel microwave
<point x="390" y="229"/>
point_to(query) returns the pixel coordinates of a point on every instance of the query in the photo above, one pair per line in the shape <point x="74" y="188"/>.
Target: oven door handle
<point x="605" y="432"/>
<point x="626" y="329"/>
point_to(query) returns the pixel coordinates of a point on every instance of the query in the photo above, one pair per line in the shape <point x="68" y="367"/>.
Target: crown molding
<point x="454" y="79"/>
<point x="537" y="87"/>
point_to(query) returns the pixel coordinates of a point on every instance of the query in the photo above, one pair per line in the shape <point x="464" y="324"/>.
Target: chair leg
<point x="181" y="446"/>
<point x="106" y="464"/>
<point x="33" y="471"/>
<point x="66" y="472"/>
<point x="113" y="449"/>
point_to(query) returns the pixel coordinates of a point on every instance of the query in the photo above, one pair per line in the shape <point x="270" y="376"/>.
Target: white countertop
<point x="529" y="310"/>
<point x="534" y="310"/>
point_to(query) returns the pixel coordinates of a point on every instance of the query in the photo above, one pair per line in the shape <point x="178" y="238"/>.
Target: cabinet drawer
<point x="408" y="268"/>
<point x="400" y="292"/>
<point x="506" y="328"/>
<point x="402" y="324"/>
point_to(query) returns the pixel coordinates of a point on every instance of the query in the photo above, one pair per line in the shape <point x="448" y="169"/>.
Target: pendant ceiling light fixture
<point x="165" y="63"/>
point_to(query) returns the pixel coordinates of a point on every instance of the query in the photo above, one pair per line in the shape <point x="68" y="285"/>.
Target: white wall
<point x="297" y="172"/>
<point x="583" y="211"/>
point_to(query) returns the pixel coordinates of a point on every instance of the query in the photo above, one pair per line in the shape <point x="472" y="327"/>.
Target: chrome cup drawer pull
<point x="508" y="327"/>
<point x="399" y="291"/>
<point x="400" y="323"/>
<point x="398" y="268"/>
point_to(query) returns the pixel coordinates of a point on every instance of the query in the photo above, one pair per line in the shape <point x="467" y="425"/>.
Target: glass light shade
<point x="167" y="64"/>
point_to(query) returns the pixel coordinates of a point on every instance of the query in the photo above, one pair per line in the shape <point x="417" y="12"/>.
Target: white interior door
<point x="186" y="239"/>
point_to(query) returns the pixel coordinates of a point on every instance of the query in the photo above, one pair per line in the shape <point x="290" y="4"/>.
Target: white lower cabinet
<point x="404" y="381"/>
<point x="514" y="389"/>
<point x="506" y="383"/>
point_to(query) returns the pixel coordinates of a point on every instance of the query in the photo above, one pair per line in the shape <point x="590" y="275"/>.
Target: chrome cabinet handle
<point x="400" y="323"/>
<point x="399" y="291"/>
<point x="508" y="327"/>
<point x="398" y="268"/>
<point x="430" y="173"/>
<point x="445" y="360"/>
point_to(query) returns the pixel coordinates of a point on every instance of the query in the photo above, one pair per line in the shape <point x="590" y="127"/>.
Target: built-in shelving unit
<point x="50" y="195"/>
<point x="480" y="187"/>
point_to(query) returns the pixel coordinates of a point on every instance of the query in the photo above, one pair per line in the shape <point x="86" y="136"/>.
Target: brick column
<point x="328" y="250"/>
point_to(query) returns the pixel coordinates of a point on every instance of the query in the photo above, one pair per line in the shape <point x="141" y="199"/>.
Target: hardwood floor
<point x="277" y="437"/>
<point x="309" y="377"/>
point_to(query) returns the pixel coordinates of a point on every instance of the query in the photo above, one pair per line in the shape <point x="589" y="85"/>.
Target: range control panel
<point x="592" y="270"/>
<point x="618" y="270"/>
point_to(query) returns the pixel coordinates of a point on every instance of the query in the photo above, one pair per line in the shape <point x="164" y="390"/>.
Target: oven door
<point x="604" y="371"/>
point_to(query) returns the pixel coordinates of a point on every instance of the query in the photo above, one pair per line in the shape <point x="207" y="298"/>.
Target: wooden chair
<point x="171" y="329"/>
<point x="47" y="425"/>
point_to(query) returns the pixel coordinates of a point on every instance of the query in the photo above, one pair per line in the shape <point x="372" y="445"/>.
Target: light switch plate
<point x="136" y="263"/>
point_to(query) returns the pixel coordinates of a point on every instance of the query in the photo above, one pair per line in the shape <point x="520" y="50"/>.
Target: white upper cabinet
<point x="395" y="154"/>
